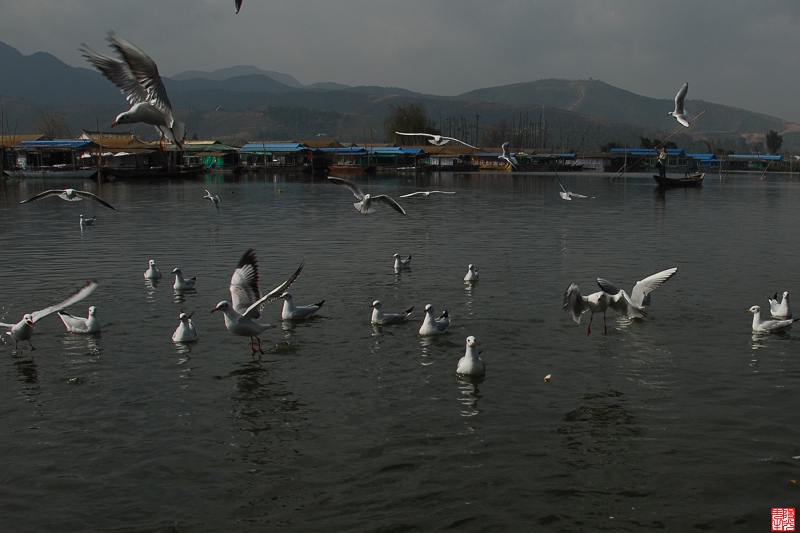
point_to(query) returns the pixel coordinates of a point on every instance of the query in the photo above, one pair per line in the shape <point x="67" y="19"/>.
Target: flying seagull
<point x="70" y="195"/>
<point x="438" y="140"/>
<point x="568" y="195"/>
<point x="23" y="330"/>
<point x="214" y="198"/>
<point x="364" y="204"/>
<point x="136" y="75"/>
<point x="425" y="193"/>
<point x="680" y="113"/>
<point x="507" y="157"/>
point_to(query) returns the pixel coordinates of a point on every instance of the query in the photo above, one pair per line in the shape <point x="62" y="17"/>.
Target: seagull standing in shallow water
<point x="364" y="204"/>
<point x="136" y="75"/>
<point x="76" y="324"/>
<point x="680" y="113"/>
<point x="70" y="195"/>
<point x="246" y="300"/>
<point x="23" y="330"/>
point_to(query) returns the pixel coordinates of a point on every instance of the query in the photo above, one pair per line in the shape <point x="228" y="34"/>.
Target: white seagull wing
<point x="650" y="283"/>
<point x="349" y="184"/>
<point x="81" y="294"/>
<point x="244" y="282"/>
<point x="255" y="309"/>
<point x="144" y="70"/>
<point x="679" y="99"/>
<point x="118" y="73"/>
<point x="390" y="201"/>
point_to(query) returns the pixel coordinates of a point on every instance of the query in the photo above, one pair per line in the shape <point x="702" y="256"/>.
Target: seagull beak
<point x="114" y="123"/>
<point x="215" y="309"/>
<point x="29" y="322"/>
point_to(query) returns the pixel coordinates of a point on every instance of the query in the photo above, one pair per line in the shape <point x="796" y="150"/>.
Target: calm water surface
<point x="681" y="422"/>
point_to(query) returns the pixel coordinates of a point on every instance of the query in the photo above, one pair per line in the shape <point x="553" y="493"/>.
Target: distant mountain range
<point x="248" y="103"/>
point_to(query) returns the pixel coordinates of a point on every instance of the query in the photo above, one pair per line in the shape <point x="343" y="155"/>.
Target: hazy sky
<point x="738" y="53"/>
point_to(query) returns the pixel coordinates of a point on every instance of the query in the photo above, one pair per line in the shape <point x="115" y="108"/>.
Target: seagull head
<point x="151" y="262"/>
<point x="429" y="308"/>
<point x="122" y="118"/>
<point x="176" y="271"/>
<point x="471" y="342"/>
<point x="28" y="319"/>
<point x="286" y="296"/>
<point x="376" y="304"/>
<point x="754" y="309"/>
<point x="92" y="310"/>
<point x="222" y="306"/>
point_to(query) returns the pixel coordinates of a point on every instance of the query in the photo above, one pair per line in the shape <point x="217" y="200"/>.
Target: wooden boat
<point x="689" y="180"/>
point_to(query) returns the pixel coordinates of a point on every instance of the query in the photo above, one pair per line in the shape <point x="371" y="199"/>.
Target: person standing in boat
<point x="662" y="162"/>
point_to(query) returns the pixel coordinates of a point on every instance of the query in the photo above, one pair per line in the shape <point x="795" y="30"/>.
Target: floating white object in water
<point x="291" y="311"/>
<point x="384" y="319"/>
<point x="152" y="271"/>
<point x="23" y="330"/>
<point x="471" y="364"/>
<point x="768" y="325"/>
<point x="400" y="263"/>
<point x="87" y="221"/>
<point x="472" y="274"/>
<point x="181" y="284"/>
<point x="434" y="326"/>
<point x="364" y="204"/>
<point x="185" y="332"/>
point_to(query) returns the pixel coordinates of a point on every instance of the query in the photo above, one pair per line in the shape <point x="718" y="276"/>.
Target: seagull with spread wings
<point x="136" y="75"/>
<point x="438" y="140"/>
<point x="679" y="112"/>
<point x="364" y="204"/>
<point x="70" y="195"/>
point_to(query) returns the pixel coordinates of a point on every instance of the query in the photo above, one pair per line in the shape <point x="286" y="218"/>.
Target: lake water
<point x="684" y="421"/>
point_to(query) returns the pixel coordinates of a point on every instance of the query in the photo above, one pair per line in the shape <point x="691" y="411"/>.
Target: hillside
<point x="249" y="103"/>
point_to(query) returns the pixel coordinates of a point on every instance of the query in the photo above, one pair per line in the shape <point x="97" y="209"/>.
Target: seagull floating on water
<point x="471" y="364"/>
<point x="182" y="284"/>
<point x="434" y="326"/>
<point x="76" y="324"/>
<point x="185" y="332"/>
<point x="768" y="325"/>
<point x="213" y="198"/>
<point x="23" y="330"/>
<point x="425" y="193"/>
<point x="384" y="319"/>
<point x="295" y="312"/>
<point x="780" y="309"/>
<point x="247" y="301"/>
<point x="472" y="274"/>
<point x="70" y="195"/>
<point x="87" y="221"/>
<point x="438" y="140"/>
<point x="364" y="205"/>
<point x="507" y="157"/>
<point x="136" y="75"/>
<point x="568" y="195"/>
<point x="680" y="113"/>
<point x="610" y="296"/>
<point x="400" y="263"/>
<point x="152" y="271"/>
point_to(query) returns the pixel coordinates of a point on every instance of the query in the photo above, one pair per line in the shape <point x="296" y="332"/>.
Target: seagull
<point x="246" y="300"/>
<point x="679" y="113"/>
<point x="382" y="319"/>
<point x="182" y="284"/>
<point x="152" y="271"/>
<point x="293" y="312"/>
<point x="568" y="195"/>
<point x="472" y="274"/>
<point x="76" y="324"/>
<point x="23" y="330"/>
<point x="507" y="157"/>
<point x="780" y="309"/>
<point x="238" y="5"/>
<point x="471" y="364"/>
<point x="185" y="332"/>
<point x="213" y="197"/>
<point x="400" y="263"/>
<point x="767" y="325"/>
<point x="364" y="205"/>
<point x="425" y="193"/>
<point x="70" y="195"/>
<point x="438" y="140"/>
<point x="87" y="221"/>
<point x="136" y="75"/>
<point x="434" y="326"/>
<point x="640" y="294"/>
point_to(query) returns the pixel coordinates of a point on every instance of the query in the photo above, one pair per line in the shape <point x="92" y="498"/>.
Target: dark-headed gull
<point x="599" y="302"/>
<point x="769" y="325"/>
<point x="136" y="75"/>
<point x="400" y="263"/>
<point x="434" y="326"/>
<point x="214" y="198"/>
<point x="291" y="311"/>
<point x="246" y="302"/>
<point x="23" y="330"/>
<point x="152" y="271"/>
<point x="472" y="274"/>
<point x="471" y="364"/>
<point x="364" y="205"/>
<point x="77" y="324"/>
<point x="508" y="157"/>
<point x="70" y="195"/>
<point x="185" y="332"/>
<point x="425" y="193"/>
<point x="780" y="309"/>
<point x="680" y="113"/>
<point x="182" y="284"/>
<point x="382" y="319"/>
<point x="438" y="140"/>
